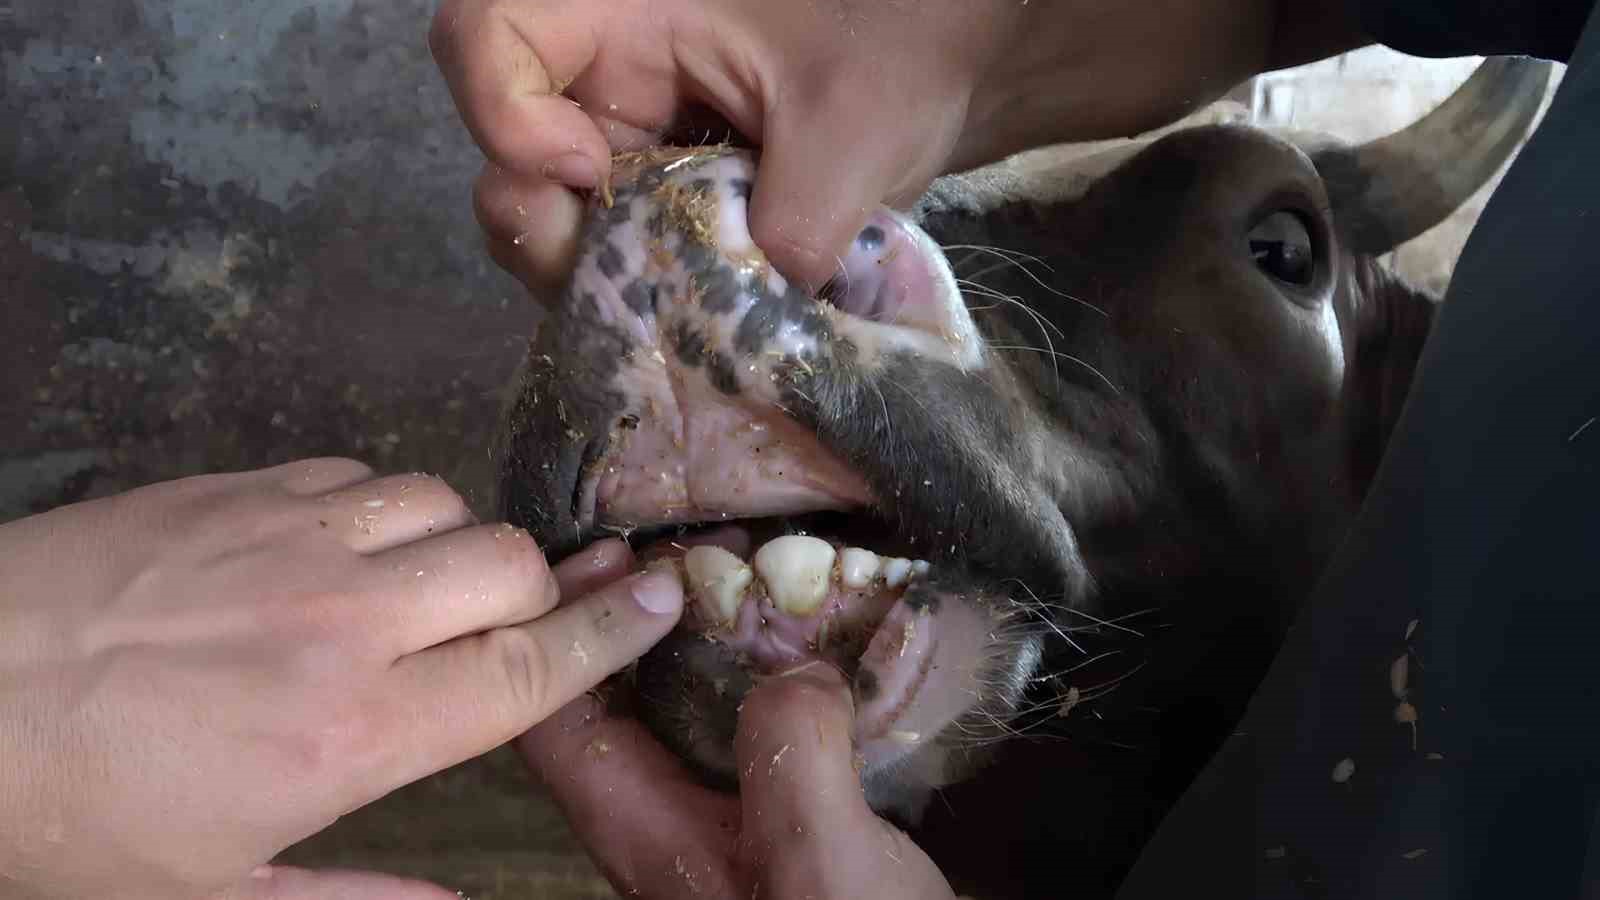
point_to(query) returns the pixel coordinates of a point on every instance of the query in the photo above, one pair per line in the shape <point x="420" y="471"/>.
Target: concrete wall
<point x="233" y="234"/>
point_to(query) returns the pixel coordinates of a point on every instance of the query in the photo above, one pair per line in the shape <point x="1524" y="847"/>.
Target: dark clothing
<point x="1480" y="528"/>
<point x="1548" y="29"/>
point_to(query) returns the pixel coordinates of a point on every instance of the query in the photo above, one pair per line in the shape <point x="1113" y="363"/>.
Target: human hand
<point x="800" y="826"/>
<point x="853" y="104"/>
<point x="198" y="674"/>
<point x="807" y="82"/>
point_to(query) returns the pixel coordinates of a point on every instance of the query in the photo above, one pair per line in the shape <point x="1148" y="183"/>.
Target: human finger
<point x="795" y="756"/>
<point x="294" y="883"/>
<point x="479" y="691"/>
<point x="592" y="568"/>
<point x="428" y="592"/>
<point x="506" y="69"/>
<point x="531" y="226"/>
<point x="808" y="830"/>
<point x="317" y="475"/>
<point x="829" y="157"/>
<point x="309" y="477"/>
<point x="629" y="799"/>
<point x="816" y="185"/>
<point x="651" y="828"/>
<point x="382" y="513"/>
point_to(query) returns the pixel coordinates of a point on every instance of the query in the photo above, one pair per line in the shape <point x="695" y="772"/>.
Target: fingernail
<point x="659" y="592"/>
<point x="573" y="170"/>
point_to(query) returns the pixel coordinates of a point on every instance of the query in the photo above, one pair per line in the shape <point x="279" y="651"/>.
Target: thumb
<point x="292" y="883"/>
<point x="797" y="777"/>
<point x="821" y="175"/>
<point x="807" y="828"/>
<point x="830" y="155"/>
<point x="531" y="227"/>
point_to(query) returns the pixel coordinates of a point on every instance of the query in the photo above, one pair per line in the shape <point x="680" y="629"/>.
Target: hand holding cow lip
<point x="854" y="104"/>
<point x="805" y="82"/>
<point x="799" y="827"/>
<point x="196" y="675"/>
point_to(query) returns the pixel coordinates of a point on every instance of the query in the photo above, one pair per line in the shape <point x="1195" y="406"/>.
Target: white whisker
<point x="1068" y="671"/>
<point x="1054" y="353"/>
<point x="1051" y="624"/>
<point x="1029" y="272"/>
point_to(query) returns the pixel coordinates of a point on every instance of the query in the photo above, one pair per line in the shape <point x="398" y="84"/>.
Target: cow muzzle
<point x="659" y="402"/>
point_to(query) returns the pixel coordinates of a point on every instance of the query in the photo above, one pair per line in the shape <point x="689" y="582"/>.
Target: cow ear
<point x="1390" y="348"/>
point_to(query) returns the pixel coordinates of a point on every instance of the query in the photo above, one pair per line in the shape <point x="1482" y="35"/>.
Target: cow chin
<point x="679" y="395"/>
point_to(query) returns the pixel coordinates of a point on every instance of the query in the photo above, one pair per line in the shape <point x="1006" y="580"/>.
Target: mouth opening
<point x="785" y="593"/>
<point x="773" y="594"/>
<point x="789" y="591"/>
<point x="663" y="381"/>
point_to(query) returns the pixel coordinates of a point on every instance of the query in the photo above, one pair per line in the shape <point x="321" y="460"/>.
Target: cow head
<point x="1120" y="406"/>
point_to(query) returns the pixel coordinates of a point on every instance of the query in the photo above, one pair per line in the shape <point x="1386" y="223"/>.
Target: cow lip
<point x="844" y="524"/>
<point x="903" y="648"/>
<point x="585" y="506"/>
<point x="862" y="526"/>
<point x="898" y="296"/>
<point x="857" y="524"/>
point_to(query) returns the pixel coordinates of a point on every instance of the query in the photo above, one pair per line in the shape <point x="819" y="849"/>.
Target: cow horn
<point x="1393" y="189"/>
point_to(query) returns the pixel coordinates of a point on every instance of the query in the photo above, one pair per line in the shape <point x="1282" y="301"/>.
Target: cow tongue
<point x="911" y="647"/>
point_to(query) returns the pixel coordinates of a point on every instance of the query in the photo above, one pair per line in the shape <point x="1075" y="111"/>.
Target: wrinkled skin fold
<point x="1122" y="407"/>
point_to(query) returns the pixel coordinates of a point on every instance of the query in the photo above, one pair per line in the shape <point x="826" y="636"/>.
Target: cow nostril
<point x="870" y="238"/>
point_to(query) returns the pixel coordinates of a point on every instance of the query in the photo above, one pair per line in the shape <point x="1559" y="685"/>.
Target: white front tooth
<point x="857" y="567"/>
<point x="896" y="571"/>
<point x="795" y="569"/>
<point x="920" y="567"/>
<point x="717" y="579"/>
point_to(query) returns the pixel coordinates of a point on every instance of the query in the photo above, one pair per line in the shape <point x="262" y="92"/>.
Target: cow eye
<point x="1281" y="247"/>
